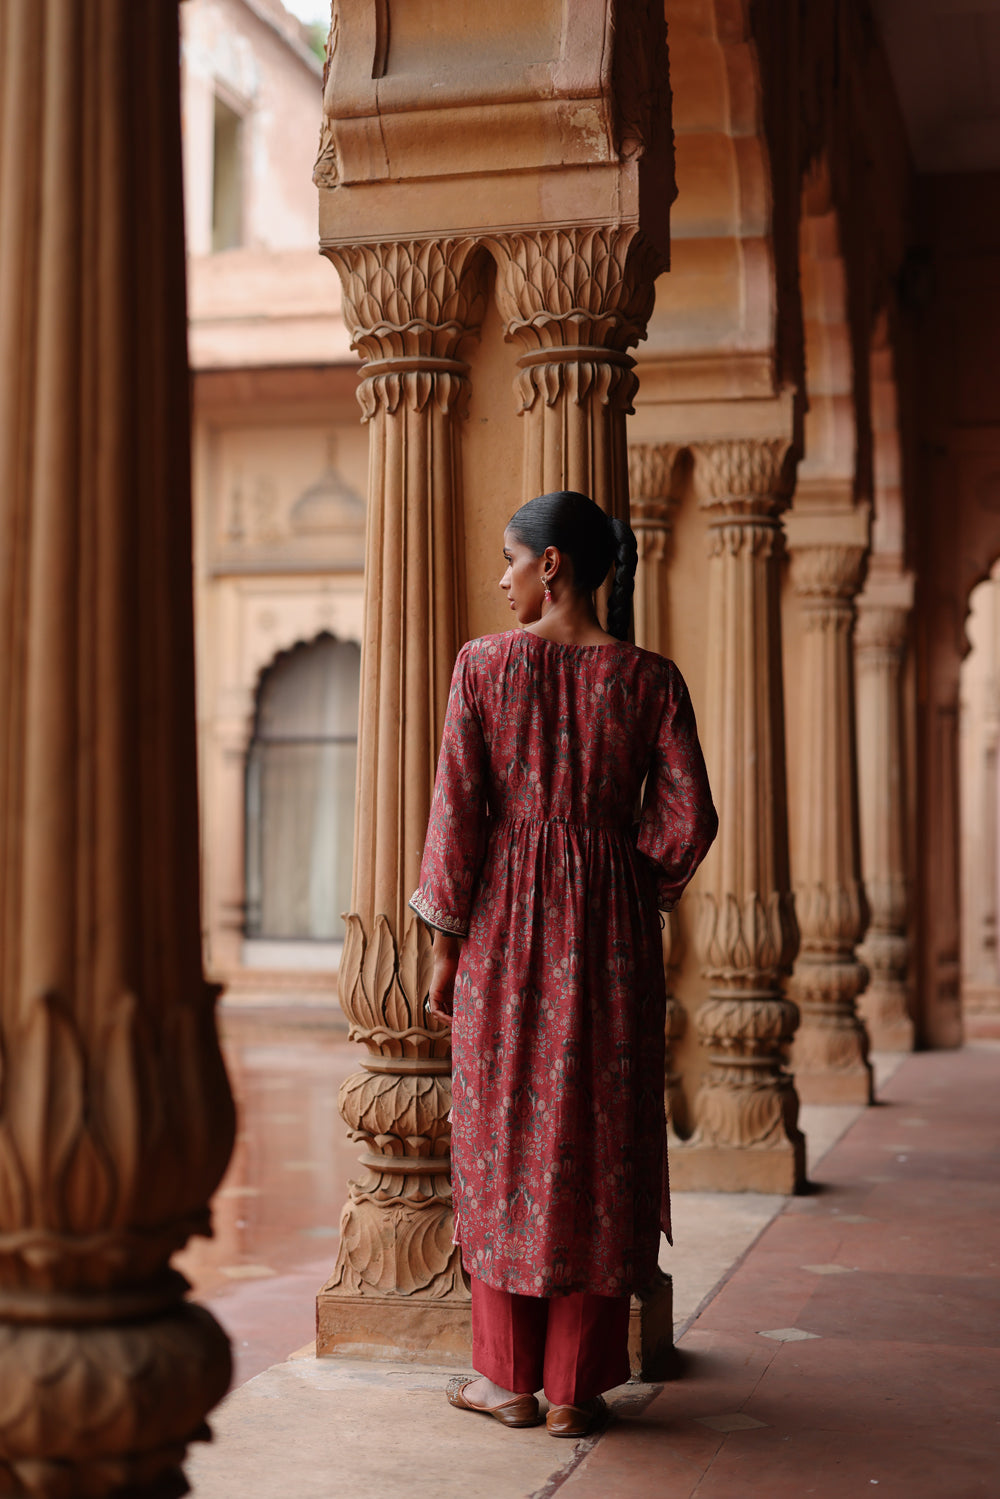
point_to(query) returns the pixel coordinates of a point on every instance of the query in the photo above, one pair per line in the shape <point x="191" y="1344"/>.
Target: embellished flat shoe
<point x="521" y="1411"/>
<point x="575" y="1420"/>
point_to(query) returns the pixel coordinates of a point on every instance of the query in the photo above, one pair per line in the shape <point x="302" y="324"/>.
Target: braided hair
<point x="593" y="541"/>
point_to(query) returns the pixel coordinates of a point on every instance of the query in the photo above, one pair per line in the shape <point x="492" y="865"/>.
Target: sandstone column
<point x="651" y="505"/>
<point x="943" y="1025"/>
<point x="557" y="161"/>
<point x="830" y="1054"/>
<point x="746" y="1135"/>
<point x="881" y="636"/>
<point x="115" y="1115"/>
<point x="398" y="1280"/>
<point x="574" y="301"/>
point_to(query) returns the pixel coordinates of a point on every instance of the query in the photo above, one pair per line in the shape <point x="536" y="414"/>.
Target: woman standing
<point x="545" y="898"/>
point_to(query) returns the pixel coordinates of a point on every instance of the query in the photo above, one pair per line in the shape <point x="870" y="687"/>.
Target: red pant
<point x="572" y="1347"/>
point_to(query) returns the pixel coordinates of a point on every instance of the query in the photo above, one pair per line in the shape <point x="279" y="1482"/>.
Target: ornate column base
<point x="780" y="1167"/>
<point x="884" y="1005"/>
<point x="829" y="1056"/>
<point x="980" y="1012"/>
<point x="111" y="1405"/>
<point x="748" y="1139"/>
<point x="853" y="1084"/>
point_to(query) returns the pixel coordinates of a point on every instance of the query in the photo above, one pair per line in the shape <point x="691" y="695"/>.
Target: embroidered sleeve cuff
<point x="441" y="920"/>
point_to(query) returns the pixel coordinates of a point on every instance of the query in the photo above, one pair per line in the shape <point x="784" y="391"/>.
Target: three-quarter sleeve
<point x="679" y="821"/>
<point x="456" y="830"/>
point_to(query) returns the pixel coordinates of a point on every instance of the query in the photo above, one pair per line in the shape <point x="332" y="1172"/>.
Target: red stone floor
<point x="856" y="1348"/>
<point x="277" y="1210"/>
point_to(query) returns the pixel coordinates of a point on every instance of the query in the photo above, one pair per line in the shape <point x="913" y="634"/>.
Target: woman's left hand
<point x="442" y="987"/>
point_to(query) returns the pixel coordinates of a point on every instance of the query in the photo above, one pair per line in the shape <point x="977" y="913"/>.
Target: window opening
<point x="300" y="791"/>
<point x="227" y="178"/>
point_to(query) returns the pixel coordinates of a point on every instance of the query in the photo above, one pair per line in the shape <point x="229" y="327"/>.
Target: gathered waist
<point x="589" y="824"/>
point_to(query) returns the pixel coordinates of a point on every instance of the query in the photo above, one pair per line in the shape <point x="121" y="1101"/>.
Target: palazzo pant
<point x="573" y="1347"/>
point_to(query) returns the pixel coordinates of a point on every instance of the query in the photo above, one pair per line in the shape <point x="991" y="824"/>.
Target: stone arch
<point x="722" y="295"/>
<point x="831" y="428"/>
<point x="889" y="539"/>
<point x="978" y="560"/>
<point x="979" y="823"/>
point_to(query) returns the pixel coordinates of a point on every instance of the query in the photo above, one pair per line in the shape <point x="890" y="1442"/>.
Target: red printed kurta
<point x="533" y="855"/>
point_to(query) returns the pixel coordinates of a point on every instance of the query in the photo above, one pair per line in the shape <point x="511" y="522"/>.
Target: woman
<point x="545" y="900"/>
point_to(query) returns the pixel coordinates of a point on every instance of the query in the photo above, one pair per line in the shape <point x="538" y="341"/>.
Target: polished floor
<point x="276" y="1213"/>
<point x="851" y="1343"/>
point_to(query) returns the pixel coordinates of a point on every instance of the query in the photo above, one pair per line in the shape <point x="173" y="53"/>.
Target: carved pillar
<point x="398" y="1281"/>
<point x="651" y="505"/>
<point x="943" y="1024"/>
<point x="746" y="1135"/>
<point x="830" y="1053"/>
<point x="879" y="648"/>
<point x="115" y="1114"/>
<point x="575" y="300"/>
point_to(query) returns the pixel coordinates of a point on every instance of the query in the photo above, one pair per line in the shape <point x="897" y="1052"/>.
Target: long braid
<point x="623" y="587"/>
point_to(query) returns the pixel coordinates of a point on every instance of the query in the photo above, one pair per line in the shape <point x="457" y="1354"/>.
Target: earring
<point x="547" y="595"/>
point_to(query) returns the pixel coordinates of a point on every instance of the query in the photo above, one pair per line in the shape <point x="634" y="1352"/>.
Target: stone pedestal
<point x="881" y="636"/>
<point x="746" y="1135"/>
<point x="830" y="1053"/>
<point x="116" y="1120"/>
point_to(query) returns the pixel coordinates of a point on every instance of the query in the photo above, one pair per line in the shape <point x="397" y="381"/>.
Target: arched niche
<point x="301" y="770"/>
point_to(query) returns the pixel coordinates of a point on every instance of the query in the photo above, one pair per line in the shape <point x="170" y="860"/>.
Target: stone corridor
<point x="835" y="1343"/>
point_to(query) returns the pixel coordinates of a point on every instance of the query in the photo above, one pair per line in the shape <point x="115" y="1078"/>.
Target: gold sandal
<point x="521" y="1411"/>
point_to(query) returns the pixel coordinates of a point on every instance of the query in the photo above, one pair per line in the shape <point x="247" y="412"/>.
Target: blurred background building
<point x="280" y="462"/>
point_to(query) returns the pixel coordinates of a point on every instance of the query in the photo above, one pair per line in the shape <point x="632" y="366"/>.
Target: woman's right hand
<point x="441" y="995"/>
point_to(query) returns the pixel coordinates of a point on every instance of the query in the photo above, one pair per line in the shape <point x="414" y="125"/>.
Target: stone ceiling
<point x="945" y="59"/>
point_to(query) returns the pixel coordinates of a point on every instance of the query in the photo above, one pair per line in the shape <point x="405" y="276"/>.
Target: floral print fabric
<point x="532" y="853"/>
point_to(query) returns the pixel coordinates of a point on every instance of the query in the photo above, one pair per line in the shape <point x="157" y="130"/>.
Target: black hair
<point x="591" y="539"/>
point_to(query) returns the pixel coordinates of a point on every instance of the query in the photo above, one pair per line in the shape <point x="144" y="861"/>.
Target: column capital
<point x="575" y="300"/>
<point x="829" y="573"/>
<point x="651" y="470"/>
<point x="409" y="305"/>
<point x="883" y="612"/>
<point x="745" y="477"/>
<point x="881" y="627"/>
<point x="587" y="285"/>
